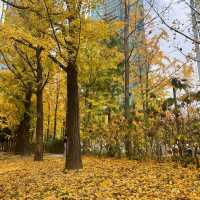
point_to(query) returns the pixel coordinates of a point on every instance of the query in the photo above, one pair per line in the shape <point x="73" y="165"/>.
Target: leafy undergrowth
<point x="100" y="179"/>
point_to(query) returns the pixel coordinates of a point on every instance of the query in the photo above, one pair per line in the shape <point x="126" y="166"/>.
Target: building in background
<point x="111" y="10"/>
<point x="114" y="10"/>
<point x="3" y="7"/>
<point x="131" y="12"/>
<point x="195" y="8"/>
<point x="108" y="10"/>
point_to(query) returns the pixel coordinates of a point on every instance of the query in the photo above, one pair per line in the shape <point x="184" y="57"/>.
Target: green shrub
<point x="54" y="146"/>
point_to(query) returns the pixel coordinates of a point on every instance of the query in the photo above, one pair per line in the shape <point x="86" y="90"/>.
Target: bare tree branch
<point x="24" y="56"/>
<point x="46" y="81"/>
<point x="52" y="26"/>
<point x="172" y="28"/>
<point x="14" y="5"/>
<point x="55" y="60"/>
<point x="14" y="71"/>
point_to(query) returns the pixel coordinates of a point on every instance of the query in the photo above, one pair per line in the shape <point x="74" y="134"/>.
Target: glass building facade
<point x="195" y="7"/>
<point x="108" y="10"/>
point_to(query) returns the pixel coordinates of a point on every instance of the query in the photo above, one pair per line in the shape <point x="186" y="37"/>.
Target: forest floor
<point x="101" y="178"/>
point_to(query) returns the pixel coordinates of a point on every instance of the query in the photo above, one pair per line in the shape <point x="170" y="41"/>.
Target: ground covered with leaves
<point x="21" y="178"/>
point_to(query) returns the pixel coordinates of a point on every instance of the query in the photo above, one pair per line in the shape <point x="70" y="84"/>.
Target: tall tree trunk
<point x="180" y="144"/>
<point x="87" y="118"/>
<point x="73" y="155"/>
<point x="39" y="127"/>
<point x="146" y="108"/>
<point x="109" y="113"/>
<point x="39" y="101"/>
<point x="196" y="156"/>
<point x="23" y="132"/>
<point x="146" y="99"/>
<point x="48" y="120"/>
<point x="176" y="111"/>
<point x="126" y="57"/>
<point x="128" y="142"/>
<point x="56" y="109"/>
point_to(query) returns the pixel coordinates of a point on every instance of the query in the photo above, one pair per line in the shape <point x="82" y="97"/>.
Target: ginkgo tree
<point x="29" y="44"/>
<point x="11" y="92"/>
<point x="61" y="23"/>
<point x="102" y="82"/>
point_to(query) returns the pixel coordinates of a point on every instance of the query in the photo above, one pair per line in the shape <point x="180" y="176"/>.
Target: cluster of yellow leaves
<point x="100" y="179"/>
